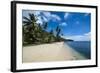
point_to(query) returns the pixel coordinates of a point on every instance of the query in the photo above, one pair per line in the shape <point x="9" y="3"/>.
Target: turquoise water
<point x="83" y="47"/>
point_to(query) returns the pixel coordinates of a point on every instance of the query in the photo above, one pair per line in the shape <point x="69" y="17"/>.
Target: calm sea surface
<point x="83" y="47"/>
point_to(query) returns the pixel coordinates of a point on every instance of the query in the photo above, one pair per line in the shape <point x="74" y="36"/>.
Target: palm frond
<point x="27" y="19"/>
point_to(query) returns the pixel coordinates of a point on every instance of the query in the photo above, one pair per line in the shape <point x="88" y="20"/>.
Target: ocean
<point x="82" y="47"/>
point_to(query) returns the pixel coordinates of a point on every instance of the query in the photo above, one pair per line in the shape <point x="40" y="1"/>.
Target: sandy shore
<point x="50" y="52"/>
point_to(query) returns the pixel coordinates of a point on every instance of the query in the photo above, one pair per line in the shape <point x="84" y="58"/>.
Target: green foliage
<point x="34" y="33"/>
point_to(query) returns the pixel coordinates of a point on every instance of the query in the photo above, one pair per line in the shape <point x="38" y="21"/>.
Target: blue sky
<point x="74" y="25"/>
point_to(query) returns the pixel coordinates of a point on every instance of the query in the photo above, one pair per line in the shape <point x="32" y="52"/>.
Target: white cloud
<point x="84" y="37"/>
<point x="55" y="17"/>
<point x="47" y="15"/>
<point x="39" y="21"/>
<point x="44" y="19"/>
<point x="50" y="16"/>
<point x="63" y="24"/>
<point x="43" y="16"/>
<point x="26" y="13"/>
<point x="37" y="13"/>
<point x="88" y="34"/>
<point x="66" y="15"/>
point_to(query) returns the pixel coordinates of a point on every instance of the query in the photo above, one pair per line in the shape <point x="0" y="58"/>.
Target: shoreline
<point x="50" y="52"/>
<point x="39" y="44"/>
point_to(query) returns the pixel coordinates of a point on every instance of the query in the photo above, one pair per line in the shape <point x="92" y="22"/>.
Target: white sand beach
<point x="50" y="52"/>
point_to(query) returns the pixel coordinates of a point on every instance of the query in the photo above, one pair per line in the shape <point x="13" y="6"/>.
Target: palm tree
<point x="45" y="25"/>
<point x="57" y="28"/>
<point x="43" y="33"/>
<point x="51" y="36"/>
<point x="29" y="28"/>
<point x="34" y="33"/>
<point x="58" y="31"/>
<point x="51" y="32"/>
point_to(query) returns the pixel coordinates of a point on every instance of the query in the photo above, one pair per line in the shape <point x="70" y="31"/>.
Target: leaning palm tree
<point x="29" y="28"/>
<point x="58" y="31"/>
<point x="57" y="28"/>
<point x="43" y="33"/>
<point x="45" y="25"/>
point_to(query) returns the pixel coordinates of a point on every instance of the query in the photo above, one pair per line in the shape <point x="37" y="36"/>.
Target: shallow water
<point x="82" y="47"/>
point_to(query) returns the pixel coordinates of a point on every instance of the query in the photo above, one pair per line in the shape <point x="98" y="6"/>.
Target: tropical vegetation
<point x="35" y="33"/>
